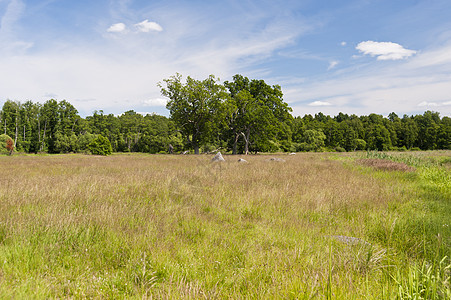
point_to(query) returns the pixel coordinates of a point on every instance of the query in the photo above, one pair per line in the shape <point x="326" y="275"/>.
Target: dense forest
<point x="240" y="116"/>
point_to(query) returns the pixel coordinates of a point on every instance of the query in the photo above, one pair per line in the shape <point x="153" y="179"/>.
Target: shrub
<point x="6" y="144"/>
<point x="305" y="147"/>
<point x="340" y="149"/>
<point x="100" y="146"/>
<point x="360" y="144"/>
<point x="84" y="140"/>
<point x="315" y="140"/>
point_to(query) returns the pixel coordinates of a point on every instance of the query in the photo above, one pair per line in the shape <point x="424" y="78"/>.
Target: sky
<point x="351" y="56"/>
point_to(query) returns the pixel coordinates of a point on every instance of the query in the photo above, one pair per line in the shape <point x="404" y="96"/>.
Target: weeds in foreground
<point x="425" y="281"/>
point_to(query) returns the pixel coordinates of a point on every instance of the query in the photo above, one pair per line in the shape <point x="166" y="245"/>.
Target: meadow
<point x="365" y="225"/>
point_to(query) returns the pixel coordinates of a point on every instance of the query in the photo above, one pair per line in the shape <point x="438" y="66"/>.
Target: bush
<point x="208" y="148"/>
<point x="305" y="147"/>
<point x="360" y="144"/>
<point x="294" y="147"/>
<point x="84" y="140"/>
<point x="340" y="149"/>
<point x="6" y="144"/>
<point x="100" y="146"/>
<point x="314" y="140"/>
<point x="286" y="146"/>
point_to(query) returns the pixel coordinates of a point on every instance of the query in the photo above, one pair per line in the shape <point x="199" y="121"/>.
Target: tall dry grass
<point x="183" y="227"/>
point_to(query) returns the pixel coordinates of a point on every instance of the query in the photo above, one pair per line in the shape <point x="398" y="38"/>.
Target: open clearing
<point x="161" y="226"/>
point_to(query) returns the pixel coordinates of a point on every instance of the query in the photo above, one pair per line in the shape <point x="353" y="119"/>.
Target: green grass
<point x="160" y="226"/>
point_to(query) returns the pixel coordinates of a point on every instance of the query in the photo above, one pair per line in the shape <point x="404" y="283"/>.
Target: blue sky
<point x="357" y="57"/>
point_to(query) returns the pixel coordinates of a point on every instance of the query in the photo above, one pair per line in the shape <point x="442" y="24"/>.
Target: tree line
<point x="240" y="116"/>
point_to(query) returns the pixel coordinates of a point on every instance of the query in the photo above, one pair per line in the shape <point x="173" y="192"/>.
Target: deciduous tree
<point x="195" y="106"/>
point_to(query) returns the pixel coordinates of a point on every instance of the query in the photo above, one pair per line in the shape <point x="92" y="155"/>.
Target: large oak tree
<point x="195" y="106"/>
<point x="259" y="113"/>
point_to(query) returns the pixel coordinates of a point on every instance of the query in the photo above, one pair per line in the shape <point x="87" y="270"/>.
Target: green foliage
<point x="313" y="140"/>
<point x="360" y="144"/>
<point x="195" y="106"/>
<point x="243" y="115"/>
<point x="257" y="114"/>
<point x="66" y="143"/>
<point x="100" y="146"/>
<point x="425" y="131"/>
<point x="425" y="281"/>
<point x="5" y="142"/>
<point x="84" y="140"/>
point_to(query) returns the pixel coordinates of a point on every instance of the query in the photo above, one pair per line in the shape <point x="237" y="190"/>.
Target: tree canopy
<point x="258" y="112"/>
<point x="195" y="107"/>
<point x="243" y="115"/>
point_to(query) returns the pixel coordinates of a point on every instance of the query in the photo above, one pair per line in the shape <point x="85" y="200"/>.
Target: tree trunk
<point x="17" y="131"/>
<point x="235" y="142"/>
<point x="196" y="147"/>
<point x="39" y="131"/>
<point x="195" y="142"/>
<point x="246" y="140"/>
<point x="43" y="136"/>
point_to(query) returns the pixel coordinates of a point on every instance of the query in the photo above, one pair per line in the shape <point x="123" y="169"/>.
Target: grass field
<point x="317" y="226"/>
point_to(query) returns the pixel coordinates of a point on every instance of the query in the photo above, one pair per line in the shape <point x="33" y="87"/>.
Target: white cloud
<point x="155" y="102"/>
<point x="332" y="65"/>
<point x="9" y="41"/>
<point x="119" y="73"/>
<point x="146" y="26"/>
<point x="319" y="103"/>
<point x="434" y="104"/>
<point x="12" y="14"/>
<point x="117" y="28"/>
<point x="384" y="50"/>
<point x="425" y="103"/>
<point x="343" y="43"/>
<point x="439" y="58"/>
<point x="380" y="88"/>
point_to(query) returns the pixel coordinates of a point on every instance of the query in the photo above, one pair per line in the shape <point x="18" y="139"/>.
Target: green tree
<point x="428" y="128"/>
<point x="107" y="125"/>
<point x="195" y="107"/>
<point x="332" y="131"/>
<point x="68" y="118"/>
<point x="50" y="116"/>
<point x="379" y="138"/>
<point x="258" y="114"/>
<point x="444" y="134"/>
<point x="313" y="140"/>
<point x="11" y="119"/>
<point x="83" y="140"/>
<point x="29" y="128"/>
<point x="360" y="144"/>
<point x="100" y="146"/>
<point x="157" y="133"/>
<point x="409" y="133"/>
